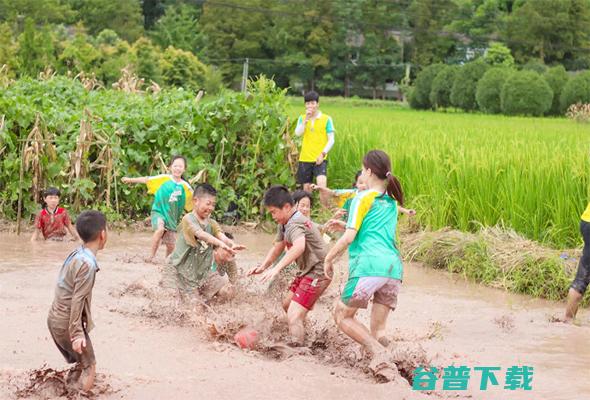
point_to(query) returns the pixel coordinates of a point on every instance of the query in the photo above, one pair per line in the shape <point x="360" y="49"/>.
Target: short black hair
<point x="89" y="224"/>
<point x="312" y="95"/>
<point x="356" y="177"/>
<point x="51" y="191"/>
<point x="277" y="196"/>
<point x="204" y="189"/>
<point x="301" y="194"/>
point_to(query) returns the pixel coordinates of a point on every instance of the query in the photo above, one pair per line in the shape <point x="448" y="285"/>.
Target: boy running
<point x="318" y="138"/>
<point x="69" y="318"/>
<point x="304" y="245"/>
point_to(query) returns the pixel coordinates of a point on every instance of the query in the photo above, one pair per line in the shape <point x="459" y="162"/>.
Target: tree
<point x="179" y="28"/>
<point x="183" y="69"/>
<point x="526" y="93"/>
<point x="465" y="85"/>
<point x="489" y="89"/>
<point x="122" y="16"/>
<point x="7" y="48"/>
<point x="35" y="49"/>
<point x="557" y="78"/>
<point x="576" y="90"/>
<point x="428" y="18"/>
<point x="498" y="55"/>
<point x="79" y="55"/>
<point x="549" y="30"/>
<point x="148" y="60"/>
<point x="440" y="94"/>
<point x="420" y="95"/>
<point x="40" y="11"/>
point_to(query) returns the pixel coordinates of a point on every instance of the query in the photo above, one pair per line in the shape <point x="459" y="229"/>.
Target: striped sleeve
<point x="329" y="126"/>
<point x="342" y="195"/>
<point x="359" y="208"/>
<point x="154" y="182"/>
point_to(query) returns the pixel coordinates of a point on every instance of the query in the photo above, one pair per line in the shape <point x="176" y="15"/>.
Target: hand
<point x="340" y="213"/>
<point x="313" y="186"/>
<point x="257" y="269"/>
<point x="238" y="247"/>
<point x="125" y="180"/>
<point x="320" y="159"/>
<point x="269" y="275"/>
<point x="328" y="269"/>
<point x="335" y="225"/>
<point x="78" y="344"/>
<point x="227" y="248"/>
<point x="411" y="212"/>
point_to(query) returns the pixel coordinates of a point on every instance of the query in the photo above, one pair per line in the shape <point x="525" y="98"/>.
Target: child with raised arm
<point x="69" y="320"/>
<point x="305" y="246"/>
<point x="375" y="266"/>
<point x="172" y="196"/>
<point x="52" y="221"/>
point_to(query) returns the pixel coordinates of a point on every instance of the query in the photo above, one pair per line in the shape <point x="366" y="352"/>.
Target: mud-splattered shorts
<point x="383" y="290"/>
<point x="169" y="237"/>
<point x="307" y="290"/>
<point x="582" y="279"/>
<point x="61" y="338"/>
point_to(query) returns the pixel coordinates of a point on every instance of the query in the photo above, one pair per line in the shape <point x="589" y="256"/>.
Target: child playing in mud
<point x="52" y="221"/>
<point x="172" y="195"/>
<point x="582" y="279"/>
<point x="69" y="318"/>
<point x="203" y="259"/>
<point x="375" y="266"/>
<point x="304" y="245"/>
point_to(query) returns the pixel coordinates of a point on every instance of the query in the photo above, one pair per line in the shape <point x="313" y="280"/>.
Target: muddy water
<point x="455" y="322"/>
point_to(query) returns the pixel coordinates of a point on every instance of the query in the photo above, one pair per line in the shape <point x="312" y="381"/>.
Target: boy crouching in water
<point x="305" y="245"/>
<point x="69" y="318"/>
<point x="203" y="259"/>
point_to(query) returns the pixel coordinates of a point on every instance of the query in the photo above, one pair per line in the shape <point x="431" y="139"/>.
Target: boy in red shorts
<point x="304" y="244"/>
<point x="53" y="221"/>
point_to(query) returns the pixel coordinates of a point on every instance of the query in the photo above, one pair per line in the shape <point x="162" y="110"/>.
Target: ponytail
<point x="394" y="188"/>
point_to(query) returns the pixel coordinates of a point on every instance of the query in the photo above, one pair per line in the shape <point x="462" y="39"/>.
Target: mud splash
<point x="49" y="383"/>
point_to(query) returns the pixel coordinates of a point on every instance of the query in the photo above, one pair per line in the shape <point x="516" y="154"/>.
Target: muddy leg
<point x="87" y="378"/>
<point x="287" y="301"/>
<point x="379" y="314"/>
<point x="346" y="322"/>
<point x="156" y="240"/>
<point x="295" y="317"/>
<point x="573" y="302"/>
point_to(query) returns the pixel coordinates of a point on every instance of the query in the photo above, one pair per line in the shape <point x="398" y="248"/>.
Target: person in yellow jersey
<point x="317" y="129"/>
<point x="582" y="279"/>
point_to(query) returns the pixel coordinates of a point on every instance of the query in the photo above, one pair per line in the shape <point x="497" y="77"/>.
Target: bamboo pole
<point x="21" y="174"/>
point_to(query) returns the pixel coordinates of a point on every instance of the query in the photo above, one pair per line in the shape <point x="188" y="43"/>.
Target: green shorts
<point x="383" y="290"/>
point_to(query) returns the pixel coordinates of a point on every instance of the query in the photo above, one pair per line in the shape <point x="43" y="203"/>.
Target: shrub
<point x="465" y="85"/>
<point x="556" y="77"/>
<point x="489" y="89"/>
<point x="440" y="94"/>
<point x="526" y="93"/>
<point x="576" y="90"/>
<point x="420" y="95"/>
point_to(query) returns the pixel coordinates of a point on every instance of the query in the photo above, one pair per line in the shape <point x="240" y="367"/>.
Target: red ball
<point x="247" y="338"/>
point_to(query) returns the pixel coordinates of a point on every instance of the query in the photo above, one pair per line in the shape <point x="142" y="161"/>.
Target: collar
<point x="88" y="256"/>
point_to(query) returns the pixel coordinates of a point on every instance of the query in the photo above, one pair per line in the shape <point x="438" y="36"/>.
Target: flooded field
<point x="149" y="345"/>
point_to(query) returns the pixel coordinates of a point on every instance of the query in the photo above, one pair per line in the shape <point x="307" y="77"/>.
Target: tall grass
<point x="471" y="170"/>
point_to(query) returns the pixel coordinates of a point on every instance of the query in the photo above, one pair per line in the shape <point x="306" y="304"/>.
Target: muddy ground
<point x="150" y="346"/>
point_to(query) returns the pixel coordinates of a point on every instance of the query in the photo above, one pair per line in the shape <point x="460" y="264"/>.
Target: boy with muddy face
<point x="203" y="259"/>
<point x="304" y="245"/>
<point x="69" y="319"/>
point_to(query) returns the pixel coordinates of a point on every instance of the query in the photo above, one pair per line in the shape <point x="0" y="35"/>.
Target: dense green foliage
<point x="468" y="170"/>
<point x="489" y="89"/>
<point x="526" y="93"/>
<point x="465" y="85"/>
<point x="336" y="46"/>
<point x="236" y="139"/>
<point x="576" y="90"/>
<point x="420" y="96"/>
<point x="440" y="94"/>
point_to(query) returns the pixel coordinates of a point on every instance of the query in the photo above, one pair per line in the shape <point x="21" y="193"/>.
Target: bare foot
<point x="384" y="370"/>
